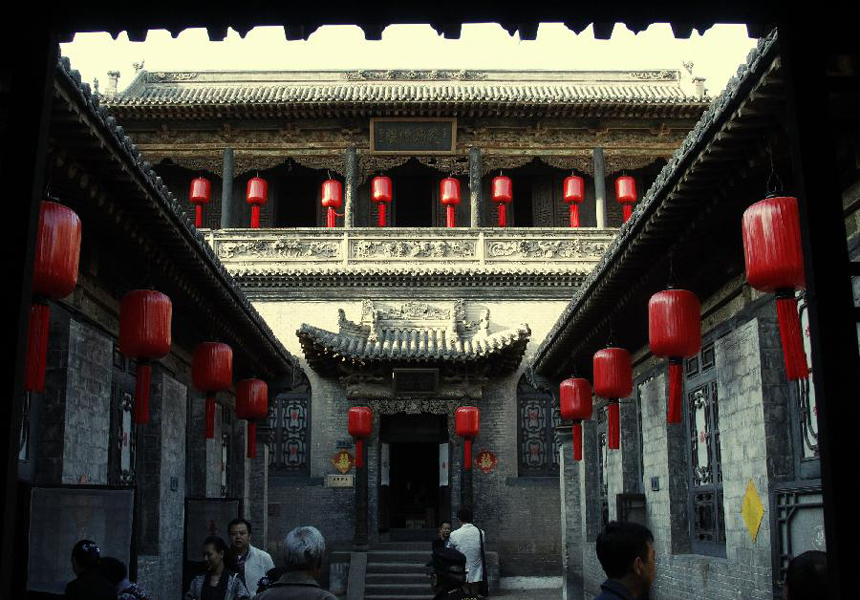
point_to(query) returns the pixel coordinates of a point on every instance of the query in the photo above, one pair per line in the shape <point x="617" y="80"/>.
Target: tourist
<point x="220" y="581"/>
<point x="626" y="553"/>
<point x="448" y="575"/>
<point x="469" y="540"/>
<point x="806" y="578"/>
<point x="115" y="571"/>
<point x="89" y="583"/>
<point x="304" y="548"/>
<point x="251" y="563"/>
<point x="443" y="535"/>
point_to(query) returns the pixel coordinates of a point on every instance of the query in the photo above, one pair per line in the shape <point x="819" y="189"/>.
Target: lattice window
<point x="226" y="435"/>
<point x="805" y="410"/>
<point x="538" y="416"/>
<point x="289" y="438"/>
<point x="707" y="523"/>
<point x="122" y="442"/>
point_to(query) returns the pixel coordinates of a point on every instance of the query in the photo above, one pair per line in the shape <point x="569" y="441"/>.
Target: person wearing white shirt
<point x="252" y="562"/>
<point x="467" y="539"/>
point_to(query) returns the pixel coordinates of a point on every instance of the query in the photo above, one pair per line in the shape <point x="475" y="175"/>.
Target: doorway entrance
<point x="415" y="480"/>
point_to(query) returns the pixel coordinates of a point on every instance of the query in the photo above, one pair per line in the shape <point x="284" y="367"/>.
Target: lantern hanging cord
<point x="672" y="280"/>
<point x="771" y="190"/>
<point x="609" y="338"/>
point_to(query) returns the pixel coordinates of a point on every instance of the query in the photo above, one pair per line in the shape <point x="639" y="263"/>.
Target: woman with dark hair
<point x="220" y="581"/>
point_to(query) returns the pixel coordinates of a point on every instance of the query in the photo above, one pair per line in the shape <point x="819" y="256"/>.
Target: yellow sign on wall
<point x="752" y="510"/>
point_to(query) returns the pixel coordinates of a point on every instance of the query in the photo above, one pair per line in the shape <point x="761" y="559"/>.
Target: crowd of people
<point x="457" y="568"/>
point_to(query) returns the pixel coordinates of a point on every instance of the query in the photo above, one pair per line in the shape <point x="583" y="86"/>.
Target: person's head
<point x="239" y="531"/>
<point x="626" y="552"/>
<point x="445" y="530"/>
<point x="85" y="555"/>
<point x="448" y="569"/>
<point x="304" y="548"/>
<point x="215" y="552"/>
<point x="464" y="515"/>
<point x="113" y="569"/>
<point x="806" y="578"/>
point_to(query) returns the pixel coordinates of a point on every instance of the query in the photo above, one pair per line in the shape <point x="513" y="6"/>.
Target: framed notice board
<point x="413" y="136"/>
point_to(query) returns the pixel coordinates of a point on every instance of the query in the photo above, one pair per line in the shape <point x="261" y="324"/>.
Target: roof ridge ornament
<point x="414" y="74"/>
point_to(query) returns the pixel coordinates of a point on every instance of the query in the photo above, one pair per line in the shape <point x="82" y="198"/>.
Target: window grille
<point x="707" y="521"/>
<point x="538" y="416"/>
<point x="288" y="427"/>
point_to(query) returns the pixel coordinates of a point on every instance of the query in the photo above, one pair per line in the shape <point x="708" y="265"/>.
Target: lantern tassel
<point x="467" y="455"/>
<point x="198" y="217"/>
<point x="790" y="333"/>
<point x="449" y="213"/>
<point x="381" y="214"/>
<point x="252" y="439"/>
<point x="577" y="441"/>
<point x="209" y="429"/>
<point x="331" y="218"/>
<point x="574" y="214"/>
<point x="628" y="212"/>
<point x="503" y="221"/>
<point x="37" y="347"/>
<point x="676" y="372"/>
<point x="614" y="433"/>
<point x="359" y="453"/>
<point x="141" y="394"/>
<point x="255" y="216"/>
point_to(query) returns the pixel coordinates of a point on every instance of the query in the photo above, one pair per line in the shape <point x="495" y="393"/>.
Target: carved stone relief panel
<point x="406" y="249"/>
<point x="546" y="249"/>
<point x="278" y="249"/>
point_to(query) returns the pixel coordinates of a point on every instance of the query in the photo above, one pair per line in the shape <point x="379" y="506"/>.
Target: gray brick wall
<point x="570" y="517"/>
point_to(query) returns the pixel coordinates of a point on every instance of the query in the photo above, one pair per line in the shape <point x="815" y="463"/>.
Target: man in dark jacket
<point x="304" y="548"/>
<point x="448" y="575"/>
<point x="89" y="583"/>
<point x="626" y="553"/>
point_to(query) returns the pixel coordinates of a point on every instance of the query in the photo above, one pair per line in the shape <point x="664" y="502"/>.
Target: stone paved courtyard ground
<point x="551" y="594"/>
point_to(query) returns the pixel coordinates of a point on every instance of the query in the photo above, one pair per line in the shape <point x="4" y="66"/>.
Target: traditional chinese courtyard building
<point x="413" y="319"/>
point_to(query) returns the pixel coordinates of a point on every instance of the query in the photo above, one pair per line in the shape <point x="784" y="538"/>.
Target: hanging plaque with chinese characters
<point x="413" y="136"/>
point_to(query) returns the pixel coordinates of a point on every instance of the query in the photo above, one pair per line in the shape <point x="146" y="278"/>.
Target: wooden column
<point x="350" y="173"/>
<point x="599" y="187"/>
<point x="475" y="186"/>
<point x="361" y="540"/>
<point x="227" y="189"/>
<point x="828" y="282"/>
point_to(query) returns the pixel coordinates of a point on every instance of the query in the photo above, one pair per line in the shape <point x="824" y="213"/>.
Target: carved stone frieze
<point x="162" y="77"/>
<point x="545" y="249"/>
<point x="409" y="311"/>
<point x="387" y="249"/>
<point x="282" y="249"/>
<point x="655" y="75"/>
<point x="413" y="75"/>
<point x="414" y="406"/>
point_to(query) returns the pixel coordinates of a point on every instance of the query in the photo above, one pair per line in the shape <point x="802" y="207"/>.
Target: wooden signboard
<point x="413" y="136"/>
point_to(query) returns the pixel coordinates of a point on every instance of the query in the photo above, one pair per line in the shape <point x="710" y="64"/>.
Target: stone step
<point x="397" y="578"/>
<point x="401" y="556"/>
<point x="396" y="567"/>
<point x="398" y="591"/>
<point x="399" y="597"/>
<point x="407" y="546"/>
<point x="411" y="535"/>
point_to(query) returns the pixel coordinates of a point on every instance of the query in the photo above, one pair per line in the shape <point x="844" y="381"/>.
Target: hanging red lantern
<point x="502" y="193"/>
<point x="574" y="192"/>
<point x="449" y="195"/>
<point x="55" y="274"/>
<point x="380" y="192"/>
<point x="144" y="335"/>
<point x="613" y="379"/>
<point x="199" y="195"/>
<point x="575" y="405"/>
<point x="674" y="332"/>
<point x="257" y="196"/>
<point x="467" y="424"/>
<point x="359" y="426"/>
<point x="211" y="372"/>
<point x="252" y="403"/>
<point x="332" y="198"/>
<point x="625" y="194"/>
<point x="774" y="263"/>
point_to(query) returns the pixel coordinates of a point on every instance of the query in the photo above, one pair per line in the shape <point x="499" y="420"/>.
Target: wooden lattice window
<point x="288" y="429"/>
<point x="538" y="415"/>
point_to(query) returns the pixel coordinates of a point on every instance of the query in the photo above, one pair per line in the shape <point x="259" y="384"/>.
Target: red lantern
<point x="359" y="426"/>
<point x="55" y="274"/>
<point x="332" y="198"/>
<point x="252" y="403"/>
<point x="201" y="189"/>
<point x="625" y="194"/>
<point x="574" y="191"/>
<point x="774" y="263"/>
<point x="502" y="193"/>
<point x="257" y="196"/>
<point x="449" y="195"/>
<point x="144" y="335"/>
<point x="674" y="332"/>
<point x="575" y="405"/>
<point x="613" y="379"/>
<point x="467" y="424"/>
<point x="380" y="191"/>
<point x="211" y="371"/>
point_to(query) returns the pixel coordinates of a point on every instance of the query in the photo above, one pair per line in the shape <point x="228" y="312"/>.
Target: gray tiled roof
<point x="409" y="90"/>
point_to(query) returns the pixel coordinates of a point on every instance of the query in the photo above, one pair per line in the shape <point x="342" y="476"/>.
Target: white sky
<point x="716" y="54"/>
